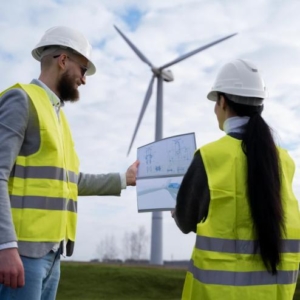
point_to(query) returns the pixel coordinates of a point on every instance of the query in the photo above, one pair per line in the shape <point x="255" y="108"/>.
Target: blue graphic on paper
<point x="171" y="156"/>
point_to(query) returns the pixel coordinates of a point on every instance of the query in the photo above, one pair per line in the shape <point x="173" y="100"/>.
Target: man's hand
<point x="131" y="173"/>
<point x="11" y="268"/>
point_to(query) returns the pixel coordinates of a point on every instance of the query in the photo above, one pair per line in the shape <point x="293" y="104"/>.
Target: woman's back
<point x="248" y="243"/>
<point x="223" y="264"/>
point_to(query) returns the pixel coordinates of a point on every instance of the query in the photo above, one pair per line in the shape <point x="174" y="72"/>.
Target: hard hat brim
<point x="36" y="53"/>
<point x="213" y="96"/>
<point x="91" y="70"/>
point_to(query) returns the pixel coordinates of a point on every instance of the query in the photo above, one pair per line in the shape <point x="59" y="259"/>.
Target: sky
<point x="104" y="119"/>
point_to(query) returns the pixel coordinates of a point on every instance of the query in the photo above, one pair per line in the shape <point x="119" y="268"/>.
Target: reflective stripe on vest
<point x="48" y="203"/>
<point x="240" y="246"/>
<point x="44" y="173"/>
<point x="242" y="278"/>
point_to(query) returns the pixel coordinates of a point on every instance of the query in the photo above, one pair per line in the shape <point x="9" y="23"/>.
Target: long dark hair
<point x="264" y="184"/>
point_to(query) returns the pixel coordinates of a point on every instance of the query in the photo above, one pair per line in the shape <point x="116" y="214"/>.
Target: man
<point x="39" y="176"/>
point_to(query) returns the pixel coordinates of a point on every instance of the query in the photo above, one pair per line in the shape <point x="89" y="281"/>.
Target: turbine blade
<point x="134" y="48"/>
<point x="185" y="56"/>
<point x="144" y="106"/>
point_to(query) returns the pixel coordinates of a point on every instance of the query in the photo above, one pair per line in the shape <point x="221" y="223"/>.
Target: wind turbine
<point x="161" y="74"/>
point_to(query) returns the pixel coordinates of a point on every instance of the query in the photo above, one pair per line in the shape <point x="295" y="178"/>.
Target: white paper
<point x="162" y="167"/>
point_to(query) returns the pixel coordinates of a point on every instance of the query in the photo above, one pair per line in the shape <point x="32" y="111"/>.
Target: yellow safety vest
<point x="43" y="186"/>
<point x="223" y="265"/>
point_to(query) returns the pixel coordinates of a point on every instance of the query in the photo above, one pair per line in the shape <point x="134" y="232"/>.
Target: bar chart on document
<point x="162" y="167"/>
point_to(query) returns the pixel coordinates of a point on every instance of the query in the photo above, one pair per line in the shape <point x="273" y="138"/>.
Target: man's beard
<point x="66" y="89"/>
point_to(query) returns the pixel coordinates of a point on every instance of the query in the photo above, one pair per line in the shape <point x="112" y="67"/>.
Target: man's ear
<point x="62" y="61"/>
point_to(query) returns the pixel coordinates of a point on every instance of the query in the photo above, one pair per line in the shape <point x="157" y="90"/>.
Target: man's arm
<point x="14" y="114"/>
<point x="99" y="184"/>
<point x="193" y="197"/>
<point x="106" y="184"/>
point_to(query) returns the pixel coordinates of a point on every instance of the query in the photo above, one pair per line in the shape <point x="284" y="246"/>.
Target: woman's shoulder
<point x="225" y="141"/>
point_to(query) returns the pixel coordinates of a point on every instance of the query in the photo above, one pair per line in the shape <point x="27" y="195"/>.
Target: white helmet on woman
<point x="65" y="37"/>
<point x="239" y="78"/>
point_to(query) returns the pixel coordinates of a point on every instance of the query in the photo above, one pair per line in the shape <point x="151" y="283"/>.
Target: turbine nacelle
<point x="166" y="75"/>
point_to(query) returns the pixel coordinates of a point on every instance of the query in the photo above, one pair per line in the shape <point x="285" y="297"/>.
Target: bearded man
<point x="39" y="169"/>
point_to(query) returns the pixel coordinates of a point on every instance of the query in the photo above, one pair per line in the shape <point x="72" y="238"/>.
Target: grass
<point x="88" y="281"/>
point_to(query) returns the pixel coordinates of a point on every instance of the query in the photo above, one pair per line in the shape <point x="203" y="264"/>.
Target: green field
<point x="87" y="281"/>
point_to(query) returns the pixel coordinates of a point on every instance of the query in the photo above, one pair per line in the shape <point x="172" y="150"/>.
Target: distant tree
<point x="126" y="246"/>
<point x="107" y="249"/>
<point x="135" y="244"/>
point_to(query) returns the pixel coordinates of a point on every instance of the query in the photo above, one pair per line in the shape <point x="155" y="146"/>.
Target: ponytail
<point x="264" y="185"/>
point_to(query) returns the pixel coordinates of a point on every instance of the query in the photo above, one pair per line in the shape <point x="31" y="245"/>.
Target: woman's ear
<point x="223" y="103"/>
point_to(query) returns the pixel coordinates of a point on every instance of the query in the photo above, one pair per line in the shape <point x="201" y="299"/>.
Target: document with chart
<point x="162" y="167"/>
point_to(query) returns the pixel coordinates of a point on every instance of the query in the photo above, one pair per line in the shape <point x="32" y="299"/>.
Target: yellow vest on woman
<point x="223" y="265"/>
<point x="43" y="185"/>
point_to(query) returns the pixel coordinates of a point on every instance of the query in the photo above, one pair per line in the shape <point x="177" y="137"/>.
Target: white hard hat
<point x="65" y="37"/>
<point x="240" y="78"/>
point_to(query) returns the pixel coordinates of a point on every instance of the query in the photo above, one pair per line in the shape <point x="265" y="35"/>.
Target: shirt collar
<point x="52" y="96"/>
<point x="235" y="124"/>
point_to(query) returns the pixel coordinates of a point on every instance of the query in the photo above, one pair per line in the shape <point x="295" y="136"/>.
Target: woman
<point x="237" y="196"/>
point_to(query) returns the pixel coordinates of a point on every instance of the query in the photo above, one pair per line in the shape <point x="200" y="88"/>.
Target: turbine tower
<point x="161" y="74"/>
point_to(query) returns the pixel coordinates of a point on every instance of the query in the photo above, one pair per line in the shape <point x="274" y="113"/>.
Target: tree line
<point x="134" y="246"/>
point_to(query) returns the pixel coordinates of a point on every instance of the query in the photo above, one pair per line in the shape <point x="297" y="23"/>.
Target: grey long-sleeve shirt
<point x="19" y="135"/>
